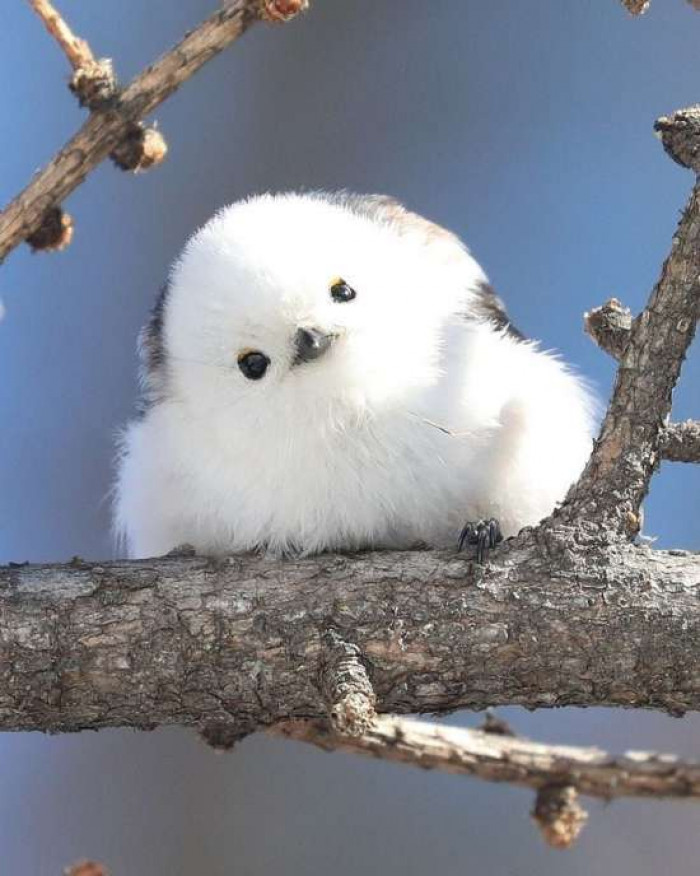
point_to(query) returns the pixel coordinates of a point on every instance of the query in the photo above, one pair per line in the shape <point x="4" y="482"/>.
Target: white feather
<point x="415" y="421"/>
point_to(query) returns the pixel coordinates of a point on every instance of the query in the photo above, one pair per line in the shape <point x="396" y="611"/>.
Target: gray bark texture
<point x="194" y="641"/>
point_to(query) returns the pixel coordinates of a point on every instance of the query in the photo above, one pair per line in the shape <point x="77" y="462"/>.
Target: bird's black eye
<point x="253" y="364"/>
<point x="341" y="292"/>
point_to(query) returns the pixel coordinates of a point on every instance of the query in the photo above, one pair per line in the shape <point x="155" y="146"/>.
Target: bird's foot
<point x="485" y="534"/>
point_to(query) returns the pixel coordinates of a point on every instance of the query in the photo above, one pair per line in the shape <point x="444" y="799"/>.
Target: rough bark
<point x="194" y="641"/>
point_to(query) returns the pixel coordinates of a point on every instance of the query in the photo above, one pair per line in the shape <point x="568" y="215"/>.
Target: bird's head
<point x="296" y="301"/>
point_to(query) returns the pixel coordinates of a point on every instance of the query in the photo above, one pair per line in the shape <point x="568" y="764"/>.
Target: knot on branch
<point x="559" y="815"/>
<point x="346" y="687"/>
<point x="141" y="149"/>
<point x="282" y="10"/>
<point x="609" y="327"/>
<point x="54" y="233"/>
<point x="94" y="83"/>
<point x="680" y="136"/>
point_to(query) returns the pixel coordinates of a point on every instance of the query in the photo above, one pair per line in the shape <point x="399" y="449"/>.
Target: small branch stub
<point x="54" y="233"/>
<point x="680" y="136"/>
<point x="609" y="327"/>
<point x="559" y="815"/>
<point x="346" y="687"/>
<point x="141" y="149"/>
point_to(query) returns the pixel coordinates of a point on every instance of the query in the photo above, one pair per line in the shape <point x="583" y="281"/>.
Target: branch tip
<point x="54" y="233"/>
<point x="559" y="815"/>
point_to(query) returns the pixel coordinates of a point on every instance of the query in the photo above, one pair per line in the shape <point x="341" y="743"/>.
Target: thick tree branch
<point x="107" y="127"/>
<point x="497" y="758"/>
<point x="193" y="641"/>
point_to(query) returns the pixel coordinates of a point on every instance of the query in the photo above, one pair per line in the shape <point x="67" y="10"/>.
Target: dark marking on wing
<point x="488" y="305"/>
<point x="151" y="340"/>
<point x="152" y="354"/>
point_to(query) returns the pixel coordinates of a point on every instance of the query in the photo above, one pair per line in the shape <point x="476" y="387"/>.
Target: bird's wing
<point x="152" y="354"/>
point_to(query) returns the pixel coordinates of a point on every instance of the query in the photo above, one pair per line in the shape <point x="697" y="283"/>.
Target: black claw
<point x="485" y="534"/>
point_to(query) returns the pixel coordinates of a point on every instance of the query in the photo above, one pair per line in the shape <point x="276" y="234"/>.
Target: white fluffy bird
<point x="332" y="371"/>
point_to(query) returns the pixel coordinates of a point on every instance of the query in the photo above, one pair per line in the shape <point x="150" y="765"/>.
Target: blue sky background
<point x="526" y="128"/>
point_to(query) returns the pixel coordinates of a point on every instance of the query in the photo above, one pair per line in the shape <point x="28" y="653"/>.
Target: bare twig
<point x="501" y="758"/>
<point x="105" y="129"/>
<point x="680" y="442"/>
<point x="75" y="49"/>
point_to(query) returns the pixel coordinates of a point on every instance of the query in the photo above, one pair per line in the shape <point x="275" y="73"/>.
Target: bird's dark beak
<point x="310" y="344"/>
